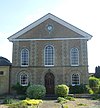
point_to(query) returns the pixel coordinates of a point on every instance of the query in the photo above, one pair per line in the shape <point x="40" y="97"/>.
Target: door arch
<point x="49" y="83"/>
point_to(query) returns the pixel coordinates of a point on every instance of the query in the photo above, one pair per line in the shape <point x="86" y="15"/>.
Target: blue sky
<point x="84" y="14"/>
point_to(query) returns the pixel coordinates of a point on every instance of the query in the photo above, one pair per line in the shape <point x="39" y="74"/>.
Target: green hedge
<point x="20" y="89"/>
<point x="94" y="84"/>
<point x="78" y="89"/>
<point x="36" y="91"/>
<point x="61" y="90"/>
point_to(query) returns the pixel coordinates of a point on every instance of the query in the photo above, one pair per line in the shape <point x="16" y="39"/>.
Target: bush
<point x="61" y="90"/>
<point x="36" y="91"/>
<point x="61" y="100"/>
<point x="20" y="89"/>
<point x="70" y="98"/>
<point x="25" y="104"/>
<point x="78" y="89"/>
<point x="81" y="104"/>
<point x="94" y="84"/>
<point x="22" y="97"/>
<point x="89" y="90"/>
<point x="32" y="102"/>
<point x="8" y="101"/>
<point x="96" y="97"/>
<point x="18" y="105"/>
<point x="65" y="106"/>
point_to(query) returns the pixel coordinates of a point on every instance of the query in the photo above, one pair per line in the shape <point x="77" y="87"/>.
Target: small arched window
<point x="75" y="79"/>
<point x="74" y="57"/>
<point x="24" y="79"/>
<point x="49" y="55"/>
<point x="24" y="57"/>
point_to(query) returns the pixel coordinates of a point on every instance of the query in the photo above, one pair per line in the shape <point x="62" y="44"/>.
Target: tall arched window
<point x="74" y="57"/>
<point x="49" y="55"/>
<point x="24" y="79"/>
<point x="24" y="57"/>
<point x="75" y="79"/>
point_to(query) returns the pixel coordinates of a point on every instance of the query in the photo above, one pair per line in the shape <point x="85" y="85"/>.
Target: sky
<point x="84" y="14"/>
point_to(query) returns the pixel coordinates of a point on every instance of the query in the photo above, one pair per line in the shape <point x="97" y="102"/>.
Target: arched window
<point x="24" y="79"/>
<point x="74" y="57"/>
<point x="24" y="57"/>
<point x="75" y="79"/>
<point x="49" y="55"/>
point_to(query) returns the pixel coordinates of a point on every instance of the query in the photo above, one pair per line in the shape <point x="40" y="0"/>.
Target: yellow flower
<point x="32" y="101"/>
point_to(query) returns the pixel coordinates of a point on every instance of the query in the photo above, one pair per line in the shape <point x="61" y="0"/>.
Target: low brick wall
<point x="83" y="95"/>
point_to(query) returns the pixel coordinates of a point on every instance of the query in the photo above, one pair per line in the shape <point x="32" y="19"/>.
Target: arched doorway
<point x="49" y="83"/>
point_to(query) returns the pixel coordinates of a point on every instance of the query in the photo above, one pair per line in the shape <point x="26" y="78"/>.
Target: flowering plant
<point x="32" y="101"/>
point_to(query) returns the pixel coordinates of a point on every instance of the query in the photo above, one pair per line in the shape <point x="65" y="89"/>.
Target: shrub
<point x="89" y="90"/>
<point x="94" y="84"/>
<point x="25" y="103"/>
<point x="18" y="105"/>
<point x="61" y="100"/>
<point x="61" y="90"/>
<point x="65" y="106"/>
<point x="77" y="89"/>
<point x="99" y="90"/>
<point x="70" y="98"/>
<point x="36" y="91"/>
<point x="32" y="102"/>
<point x="20" y="89"/>
<point x="96" y="97"/>
<point x="8" y="101"/>
<point x="81" y="104"/>
<point x="22" y="97"/>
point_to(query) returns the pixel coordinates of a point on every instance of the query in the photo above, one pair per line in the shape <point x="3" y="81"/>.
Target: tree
<point x="97" y="72"/>
<point x="94" y="84"/>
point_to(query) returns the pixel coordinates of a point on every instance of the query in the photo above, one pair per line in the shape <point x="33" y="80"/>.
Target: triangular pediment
<point x="49" y="27"/>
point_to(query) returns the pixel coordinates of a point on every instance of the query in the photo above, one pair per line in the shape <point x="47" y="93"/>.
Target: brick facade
<point x="63" y="39"/>
<point x="62" y="59"/>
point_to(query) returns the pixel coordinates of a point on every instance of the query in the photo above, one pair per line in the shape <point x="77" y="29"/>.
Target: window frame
<point x="2" y="73"/>
<point x="25" y="84"/>
<point x="77" y="80"/>
<point x="74" y="58"/>
<point x="27" y="62"/>
<point x="53" y="56"/>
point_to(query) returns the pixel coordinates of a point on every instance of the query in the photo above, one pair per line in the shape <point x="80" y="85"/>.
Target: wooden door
<point x="49" y="83"/>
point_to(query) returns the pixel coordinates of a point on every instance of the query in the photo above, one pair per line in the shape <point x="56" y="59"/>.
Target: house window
<point x="24" y="57"/>
<point x="74" y="57"/>
<point x="24" y="79"/>
<point x="1" y="72"/>
<point x="75" y="79"/>
<point x="49" y="55"/>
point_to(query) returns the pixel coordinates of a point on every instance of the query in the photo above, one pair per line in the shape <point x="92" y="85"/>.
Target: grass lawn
<point x="83" y="103"/>
<point x="78" y="103"/>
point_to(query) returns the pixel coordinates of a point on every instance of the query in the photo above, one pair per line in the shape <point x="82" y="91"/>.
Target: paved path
<point x="50" y="104"/>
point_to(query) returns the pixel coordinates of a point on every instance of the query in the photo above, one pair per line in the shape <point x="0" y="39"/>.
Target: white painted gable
<point x="15" y="36"/>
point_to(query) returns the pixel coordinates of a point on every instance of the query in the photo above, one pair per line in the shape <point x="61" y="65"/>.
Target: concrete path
<point x="50" y="104"/>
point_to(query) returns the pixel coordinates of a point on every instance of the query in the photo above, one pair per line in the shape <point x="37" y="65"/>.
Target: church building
<point x="49" y="51"/>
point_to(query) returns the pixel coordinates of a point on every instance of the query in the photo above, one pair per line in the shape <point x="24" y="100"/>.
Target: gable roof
<point x="44" y="18"/>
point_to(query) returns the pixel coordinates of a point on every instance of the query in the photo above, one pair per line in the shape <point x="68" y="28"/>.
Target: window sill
<point x="24" y="85"/>
<point x="75" y="84"/>
<point x="24" y="65"/>
<point x="75" y="65"/>
<point x="49" y="65"/>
